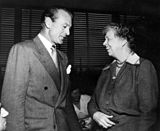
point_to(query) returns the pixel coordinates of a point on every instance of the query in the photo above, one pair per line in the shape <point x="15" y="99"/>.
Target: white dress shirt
<point x="49" y="46"/>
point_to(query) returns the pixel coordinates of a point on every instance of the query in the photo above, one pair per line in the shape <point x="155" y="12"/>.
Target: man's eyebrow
<point x="67" y="24"/>
<point x="106" y="37"/>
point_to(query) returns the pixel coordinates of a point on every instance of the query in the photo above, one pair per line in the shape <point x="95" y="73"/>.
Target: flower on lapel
<point x="68" y="70"/>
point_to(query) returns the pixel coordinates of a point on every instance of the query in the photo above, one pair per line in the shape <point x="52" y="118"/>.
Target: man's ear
<point x="48" y="22"/>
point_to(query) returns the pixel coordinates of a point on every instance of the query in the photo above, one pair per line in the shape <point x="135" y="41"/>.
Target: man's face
<point x="60" y="28"/>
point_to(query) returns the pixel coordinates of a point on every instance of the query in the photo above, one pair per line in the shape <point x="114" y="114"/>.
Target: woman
<point x="125" y="98"/>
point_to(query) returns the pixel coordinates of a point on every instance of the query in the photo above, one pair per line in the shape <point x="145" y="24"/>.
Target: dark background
<point x="146" y="26"/>
<point x="149" y="7"/>
<point x="85" y="76"/>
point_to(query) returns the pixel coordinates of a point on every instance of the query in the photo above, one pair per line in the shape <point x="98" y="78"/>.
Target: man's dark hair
<point x="52" y="13"/>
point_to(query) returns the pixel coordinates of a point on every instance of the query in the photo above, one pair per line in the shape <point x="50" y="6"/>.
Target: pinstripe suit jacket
<point x="34" y="92"/>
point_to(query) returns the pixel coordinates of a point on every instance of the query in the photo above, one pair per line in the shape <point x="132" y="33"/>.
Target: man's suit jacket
<point x="35" y="92"/>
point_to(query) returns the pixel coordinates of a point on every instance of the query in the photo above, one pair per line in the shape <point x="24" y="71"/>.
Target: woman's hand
<point x="103" y="119"/>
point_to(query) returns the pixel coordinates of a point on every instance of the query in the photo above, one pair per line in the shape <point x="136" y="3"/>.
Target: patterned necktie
<point x="54" y="55"/>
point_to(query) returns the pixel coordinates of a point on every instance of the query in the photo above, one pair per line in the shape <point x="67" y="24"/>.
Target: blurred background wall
<point x="20" y="20"/>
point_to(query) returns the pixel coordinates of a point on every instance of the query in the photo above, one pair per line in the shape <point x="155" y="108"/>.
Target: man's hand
<point x="103" y="119"/>
<point x="2" y="123"/>
<point x="3" y="113"/>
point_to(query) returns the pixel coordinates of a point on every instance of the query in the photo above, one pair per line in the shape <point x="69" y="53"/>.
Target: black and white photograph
<point x="79" y="65"/>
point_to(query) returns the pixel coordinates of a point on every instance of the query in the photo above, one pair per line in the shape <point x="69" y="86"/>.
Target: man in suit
<point x="35" y="88"/>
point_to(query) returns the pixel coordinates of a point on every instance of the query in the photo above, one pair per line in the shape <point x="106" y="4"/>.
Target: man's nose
<point x="67" y="31"/>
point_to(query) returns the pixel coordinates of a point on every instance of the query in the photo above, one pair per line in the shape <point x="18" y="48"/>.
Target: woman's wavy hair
<point x="122" y="31"/>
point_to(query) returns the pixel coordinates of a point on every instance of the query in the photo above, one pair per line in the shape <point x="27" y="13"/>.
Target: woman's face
<point x="113" y="43"/>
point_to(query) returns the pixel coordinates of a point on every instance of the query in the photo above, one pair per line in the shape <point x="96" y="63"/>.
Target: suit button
<point x="107" y="102"/>
<point x="45" y="88"/>
<point x="109" y="92"/>
<point x="54" y="126"/>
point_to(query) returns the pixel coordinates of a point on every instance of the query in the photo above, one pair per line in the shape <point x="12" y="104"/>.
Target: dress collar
<point x="133" y="59"/>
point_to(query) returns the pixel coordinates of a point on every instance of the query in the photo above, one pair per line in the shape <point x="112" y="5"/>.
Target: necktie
<point x="54" y="56"/>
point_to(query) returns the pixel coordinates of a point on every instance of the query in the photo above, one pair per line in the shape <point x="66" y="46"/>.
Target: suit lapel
<point x="44" y="57"/>
<point x="46" y="60"/>
<point x="63" y="78"/>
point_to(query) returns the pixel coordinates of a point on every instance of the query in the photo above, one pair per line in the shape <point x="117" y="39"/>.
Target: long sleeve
<point x="14" y="87"/>
<point x="147" y="94"/>
<point x="92" y="106"/>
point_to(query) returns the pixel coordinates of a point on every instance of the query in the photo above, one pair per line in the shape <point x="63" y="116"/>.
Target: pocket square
<point x="4" y="113"/>
<point x="68" y="70"/>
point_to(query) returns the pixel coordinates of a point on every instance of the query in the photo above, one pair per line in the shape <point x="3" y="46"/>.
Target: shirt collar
<point x="45" y="42"/>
